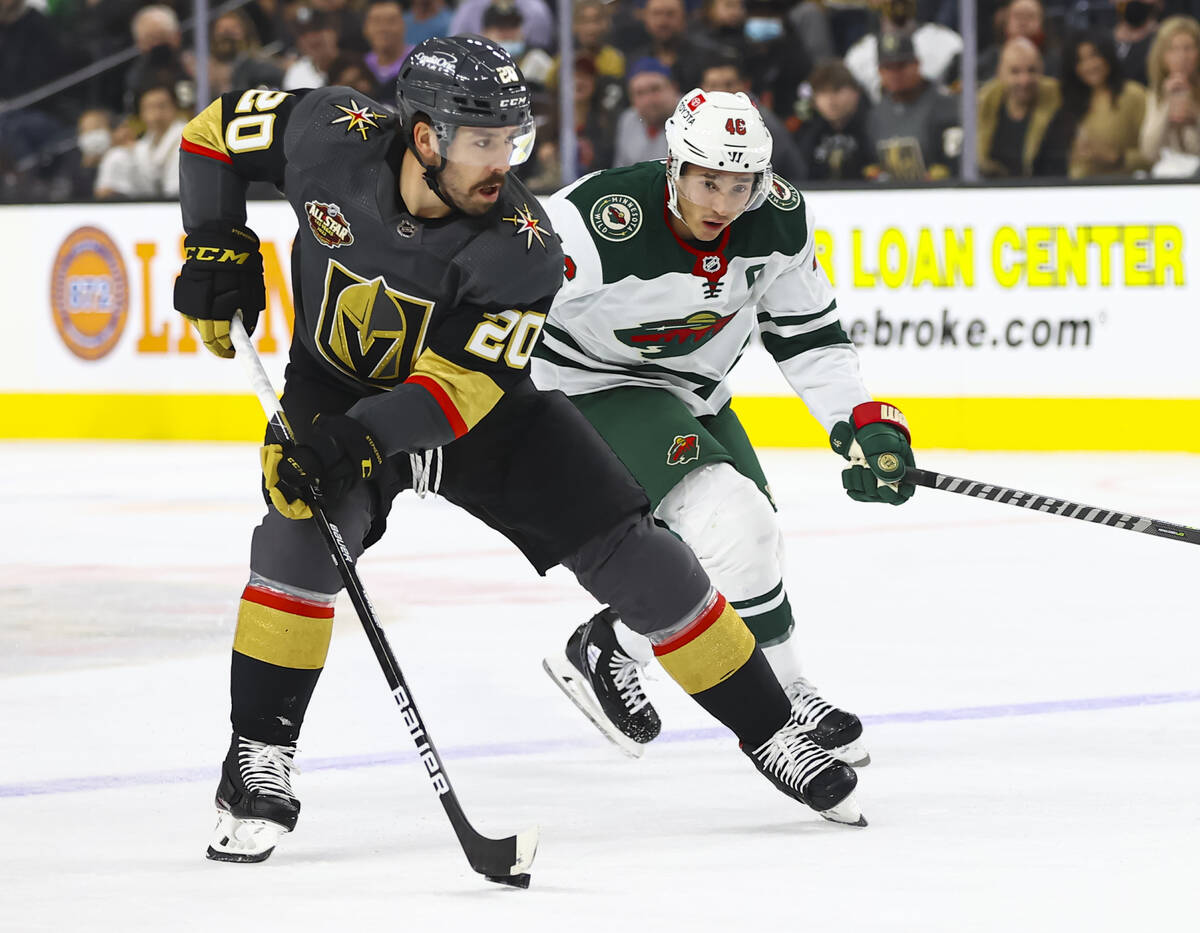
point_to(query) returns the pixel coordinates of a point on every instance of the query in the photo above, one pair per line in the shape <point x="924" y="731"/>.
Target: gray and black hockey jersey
<point x="381" y="297"/>
<point x="642" y="307"/>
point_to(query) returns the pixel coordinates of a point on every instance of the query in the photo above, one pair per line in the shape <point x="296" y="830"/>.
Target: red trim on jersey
<point x="693" y="629"/>
<point x="457" y="424"/>
<point x="284" y="603"/>
<point x="196" y="148"/>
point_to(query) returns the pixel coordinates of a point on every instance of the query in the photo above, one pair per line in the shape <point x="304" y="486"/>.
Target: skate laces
<point x="422" y="463"/>
<point x="808" y="706"/>
<point x="625" y="675"/>
<point x="267" y="769"/>
<point x="792" y="756"/>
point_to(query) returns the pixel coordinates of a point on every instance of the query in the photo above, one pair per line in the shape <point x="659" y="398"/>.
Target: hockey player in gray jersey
<point x="670" y="269"/>
<point x="422" y="273"/>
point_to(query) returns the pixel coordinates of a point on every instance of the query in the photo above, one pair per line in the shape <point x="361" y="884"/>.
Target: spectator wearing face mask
<point x="833" y="143"/>
<point x="535" y="15"/>
<point x="937" y="47"/>
<point x="1137" y="23"/>
<point x="161" y="59"/>
<point x="776" y="61"/>
<point x="653" y="95"/>
<point x="504" y="25"/>
<point x="728" y="74"/>
<point x="93" y="138"/>
<point x="235" y="56"/>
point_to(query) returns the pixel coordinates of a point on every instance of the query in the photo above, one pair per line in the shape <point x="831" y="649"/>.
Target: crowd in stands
<point x="853" y="91"/>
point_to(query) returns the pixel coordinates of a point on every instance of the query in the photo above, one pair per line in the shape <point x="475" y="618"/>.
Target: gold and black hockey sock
<point x="278" y="653"/>
<point x="714" y="658"/>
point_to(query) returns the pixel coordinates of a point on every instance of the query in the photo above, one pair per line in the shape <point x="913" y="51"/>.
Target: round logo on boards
<point x="89" y="293"/>
<point x="616" y="217"/>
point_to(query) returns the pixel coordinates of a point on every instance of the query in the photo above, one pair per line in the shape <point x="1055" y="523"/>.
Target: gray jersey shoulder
<point x="516" y="259"/>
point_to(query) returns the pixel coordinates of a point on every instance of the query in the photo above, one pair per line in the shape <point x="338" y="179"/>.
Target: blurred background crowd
<point x="94" y="93"/>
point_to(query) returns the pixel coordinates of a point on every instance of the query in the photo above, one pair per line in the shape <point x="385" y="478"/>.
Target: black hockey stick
<point x="1039" y="503"/>
<point x="505" y="861"/>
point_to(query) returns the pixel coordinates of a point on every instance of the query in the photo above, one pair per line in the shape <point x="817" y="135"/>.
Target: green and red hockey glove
<point x="876" y="442"/>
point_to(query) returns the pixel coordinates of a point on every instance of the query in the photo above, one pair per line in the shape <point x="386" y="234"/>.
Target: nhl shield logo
<point x="783" y="195"/>
<point x="711" y="264"/>
<point x="328" y="224"/>
<point x="616" y="217"/>
<point x="684" y="449"/>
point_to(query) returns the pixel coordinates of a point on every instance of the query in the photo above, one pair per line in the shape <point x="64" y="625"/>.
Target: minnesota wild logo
<point x="783" y="195"/>
<point x="678" y="337"/>
<point x="616" y="217"/>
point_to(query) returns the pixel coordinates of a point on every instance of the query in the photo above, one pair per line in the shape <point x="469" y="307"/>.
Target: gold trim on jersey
<point x="367" y="330"/>
<point x="282" y="638"/>
<point x="205" y="129"/>
<point x="472" y="393"/>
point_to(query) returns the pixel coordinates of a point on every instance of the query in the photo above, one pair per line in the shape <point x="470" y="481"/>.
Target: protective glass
<point x="725" y="192"/>
<point x="485" y="145"/>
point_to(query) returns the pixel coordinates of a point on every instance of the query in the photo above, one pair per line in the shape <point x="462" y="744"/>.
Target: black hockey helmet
<point x="459" y="81"/>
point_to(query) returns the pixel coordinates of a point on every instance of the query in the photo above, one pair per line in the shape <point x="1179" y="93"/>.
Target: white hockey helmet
<point x="718" y="130"/>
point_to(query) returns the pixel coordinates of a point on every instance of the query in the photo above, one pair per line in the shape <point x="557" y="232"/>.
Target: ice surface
<point x="1030" y="686"/>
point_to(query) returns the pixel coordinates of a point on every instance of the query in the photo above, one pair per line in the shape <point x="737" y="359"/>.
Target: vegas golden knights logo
<point x="370" y="331"/>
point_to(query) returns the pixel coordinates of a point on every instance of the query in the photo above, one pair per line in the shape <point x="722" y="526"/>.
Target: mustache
<point x="494" y="180"/>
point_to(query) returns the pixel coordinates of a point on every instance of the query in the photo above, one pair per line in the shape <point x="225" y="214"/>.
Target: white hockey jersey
<point x="640" y="306"/>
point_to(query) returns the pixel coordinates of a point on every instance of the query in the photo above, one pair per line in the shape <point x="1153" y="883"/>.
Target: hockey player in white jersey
<point x="669" y="270"/>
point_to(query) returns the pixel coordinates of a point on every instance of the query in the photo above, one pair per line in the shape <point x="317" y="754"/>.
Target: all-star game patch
<point x="357" y="118"/>
<point x="783" y="195"/>
<point x="616" y="217"/>
<point x="529" y="225"/>
<point x="328" y="224"/>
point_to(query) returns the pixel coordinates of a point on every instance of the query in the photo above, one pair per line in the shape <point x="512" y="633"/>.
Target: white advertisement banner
<point x="1037" y="292"/>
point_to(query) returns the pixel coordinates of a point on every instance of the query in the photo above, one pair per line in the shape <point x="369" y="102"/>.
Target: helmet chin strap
<point x="431" y="172"/>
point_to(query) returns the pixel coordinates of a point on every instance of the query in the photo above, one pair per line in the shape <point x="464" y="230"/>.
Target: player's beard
<point x="468" y="197"/>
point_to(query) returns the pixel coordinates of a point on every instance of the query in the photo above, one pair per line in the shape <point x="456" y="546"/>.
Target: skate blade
<point x="854" y="754"/>
<point x="573" y="684"/>
<point x="237" y="840"/>
<point x="847" y="813"/>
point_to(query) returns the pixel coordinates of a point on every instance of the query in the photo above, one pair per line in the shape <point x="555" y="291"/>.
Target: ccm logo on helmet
<point x="514" y="102"/>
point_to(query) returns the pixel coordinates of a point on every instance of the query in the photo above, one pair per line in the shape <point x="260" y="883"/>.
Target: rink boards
<point x="1020" y="318"/>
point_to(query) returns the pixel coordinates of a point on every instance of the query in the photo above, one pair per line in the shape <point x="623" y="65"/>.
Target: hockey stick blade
<point x="1051" y="505"/>
<point x="505" y="861"/>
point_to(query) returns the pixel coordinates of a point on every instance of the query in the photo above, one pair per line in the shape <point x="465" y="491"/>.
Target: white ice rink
<point x="1030" y="687"/>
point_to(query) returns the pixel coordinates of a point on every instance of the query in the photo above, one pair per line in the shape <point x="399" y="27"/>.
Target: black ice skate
<point x="606" y="684"/>
<point x="794" y="763"/>
<point x="835" y="730"/>
<point x="255" y="802"/>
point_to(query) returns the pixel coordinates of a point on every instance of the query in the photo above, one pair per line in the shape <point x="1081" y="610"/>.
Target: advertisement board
<point x="1028" y="318"/>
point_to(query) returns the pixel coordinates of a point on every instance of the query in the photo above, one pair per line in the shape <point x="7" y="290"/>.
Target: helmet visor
<point x="727" y="193"/>
<point x="485" y="145"/>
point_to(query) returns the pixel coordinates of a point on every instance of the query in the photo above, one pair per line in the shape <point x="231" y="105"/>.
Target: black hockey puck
<point x="513" y="881"/>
